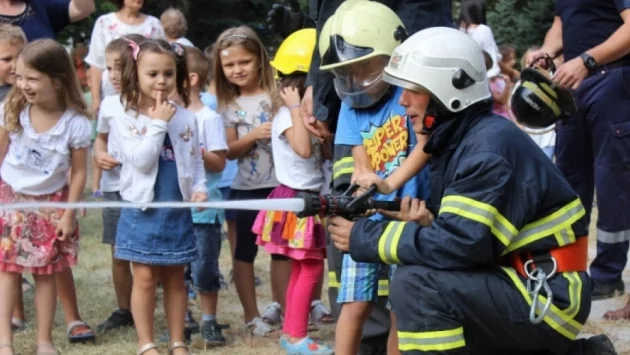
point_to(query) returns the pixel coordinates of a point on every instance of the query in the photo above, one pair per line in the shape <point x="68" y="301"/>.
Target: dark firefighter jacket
<point x="493" y="192"/>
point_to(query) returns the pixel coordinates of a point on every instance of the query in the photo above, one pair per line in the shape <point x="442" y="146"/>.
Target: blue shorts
<point x="360" y="281"/>
<point x="227" y="194"/>
<point x="206" y="276"/>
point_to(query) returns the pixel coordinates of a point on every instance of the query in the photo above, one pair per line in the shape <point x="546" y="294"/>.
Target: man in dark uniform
<point x="320" y="108"/>
<point x="502" y="267"/>
<point x="593" y="146"/>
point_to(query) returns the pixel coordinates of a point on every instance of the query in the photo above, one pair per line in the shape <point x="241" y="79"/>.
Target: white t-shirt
<point x="544" y="137"/>
<point x="112" y="107"/>
<point x="38" y="163"/>
<point x="184" y="42"/>
<point x="291" y="169"/>
<point x="256" y="168"/>
<point x="211" y="130"/>
<point x="108" y="28"/>
<point x="482" y="34"/>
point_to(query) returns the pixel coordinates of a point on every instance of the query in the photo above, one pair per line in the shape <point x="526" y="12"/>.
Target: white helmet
<point x="446" y="63"/>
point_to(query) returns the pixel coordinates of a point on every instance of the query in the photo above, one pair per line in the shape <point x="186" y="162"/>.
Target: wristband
<point x="294" y="106"/>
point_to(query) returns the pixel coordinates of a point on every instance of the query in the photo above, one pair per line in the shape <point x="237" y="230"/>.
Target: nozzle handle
<point x="393" y="206"/>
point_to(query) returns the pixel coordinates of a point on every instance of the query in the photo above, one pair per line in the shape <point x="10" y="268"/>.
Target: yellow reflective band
<point x="432" y="341"/>
<point x="388" y="242"/>
<point x="332" y="280"/>
<point x="544" y="97"/>
<point x="565" y="237"/>
<point x="342" y="167"/>
<point x="544" y="227"/>
<point x="575" y="293"/>
<point x="555" y="318"/>
<point x="482" y="213"/>
<point x="383" y="288"/>
<point x="549" y="90"/>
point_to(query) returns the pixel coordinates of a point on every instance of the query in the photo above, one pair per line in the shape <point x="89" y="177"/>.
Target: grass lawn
<point x="97" y="301"/>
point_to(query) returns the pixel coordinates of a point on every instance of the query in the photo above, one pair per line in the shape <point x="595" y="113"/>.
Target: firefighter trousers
<point x="593" y="150"/>
<point x="486" y="312"/>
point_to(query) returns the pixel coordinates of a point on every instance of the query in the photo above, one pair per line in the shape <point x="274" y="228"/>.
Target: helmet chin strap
<point x="432" y="118"/>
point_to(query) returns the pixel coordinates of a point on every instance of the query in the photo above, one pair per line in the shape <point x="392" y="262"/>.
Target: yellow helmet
<point x="358" y="30"/>
<point x="295" y="52"/>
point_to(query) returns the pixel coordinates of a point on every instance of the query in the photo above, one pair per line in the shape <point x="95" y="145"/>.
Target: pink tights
<point x="304" y="277"/>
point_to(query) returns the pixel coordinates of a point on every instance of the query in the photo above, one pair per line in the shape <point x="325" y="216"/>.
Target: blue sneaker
<point x="284" y="341"/>
<point x="307" y="346"/>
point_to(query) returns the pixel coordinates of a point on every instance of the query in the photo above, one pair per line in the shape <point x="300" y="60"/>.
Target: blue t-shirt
<point x="386" y="133"/>
<point x="588" y="23"/>
<point x="231" y="166"/>
<point x="41" y="19"/>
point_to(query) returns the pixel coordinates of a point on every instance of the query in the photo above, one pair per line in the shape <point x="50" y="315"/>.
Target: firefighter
<point x="502" y="267"/>
<point x="592" y="145"/>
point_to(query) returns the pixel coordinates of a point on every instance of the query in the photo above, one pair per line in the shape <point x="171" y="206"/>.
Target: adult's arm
<point x="80" y="9"/>
<point x="618" y="44"/>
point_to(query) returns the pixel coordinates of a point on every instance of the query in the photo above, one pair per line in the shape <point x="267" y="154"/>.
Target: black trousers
<point x="484" y="312"/>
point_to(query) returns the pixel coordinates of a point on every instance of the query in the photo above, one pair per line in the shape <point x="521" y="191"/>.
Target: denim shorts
<point x="227" y="195"/>
<point x="206" y="276"/>
<point x="110" y="218"/>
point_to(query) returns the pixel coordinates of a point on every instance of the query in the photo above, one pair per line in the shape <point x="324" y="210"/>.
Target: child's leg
<point x="300" y="301"/>
<point x="231" y="232"/>
<point x="280" y="269"/>
<point x="244" y="255"/>
<point x="359" y="288"/>
<point x="207" y="279"/>
<point x="78" y="330"/>
<point x="392" y="339"/>
<point x="8" y="300"/>
<point x="123" y="281"/>
<point x="18" y="312"/>
<point x="45" y="303"/>
<point x="175" y="302"/>
<point x="289" y="317"/>
<point x="145" y="278"/>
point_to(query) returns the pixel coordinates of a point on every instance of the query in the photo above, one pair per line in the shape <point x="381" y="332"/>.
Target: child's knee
<point x="357" y="310"/>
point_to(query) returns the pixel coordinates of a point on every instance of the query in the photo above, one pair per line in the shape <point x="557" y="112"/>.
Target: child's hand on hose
<point x="291" y="97"/>
<point x="66" y="227"/>
<point x="163" y="109"/>
<point x="366" y="180"/>
<point x="199" y="197"/>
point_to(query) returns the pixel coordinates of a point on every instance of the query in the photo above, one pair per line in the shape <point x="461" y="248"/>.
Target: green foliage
<point x="521" y="23"/>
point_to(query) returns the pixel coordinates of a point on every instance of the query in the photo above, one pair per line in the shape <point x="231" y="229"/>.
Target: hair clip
<point x="178" y="49"/>
<point x="234" y="36"/>
<point x="135" y="49"/>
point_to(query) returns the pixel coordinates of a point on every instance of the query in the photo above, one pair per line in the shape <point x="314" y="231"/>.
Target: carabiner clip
<point x="540" y="277"/>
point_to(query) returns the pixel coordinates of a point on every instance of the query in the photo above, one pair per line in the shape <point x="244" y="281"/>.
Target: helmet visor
<point x="361" y="84"/>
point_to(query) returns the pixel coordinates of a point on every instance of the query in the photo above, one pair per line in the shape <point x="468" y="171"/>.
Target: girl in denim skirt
<point x="161" y="161"/>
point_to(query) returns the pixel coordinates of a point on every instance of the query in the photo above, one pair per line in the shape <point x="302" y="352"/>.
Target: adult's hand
<point x="285" y="19"/>
<point x="316" y="127"/>
<point x="412" y="210"/>
<point x="571" y="74"/>
<point x="340" y="229"/>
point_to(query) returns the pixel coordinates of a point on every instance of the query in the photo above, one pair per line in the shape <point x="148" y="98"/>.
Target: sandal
<point x="178" y="345"/>
<point x="320" y="314"/>
<point x="47" y="349"/>
<point x="146" y="347"/>
<point x="259" y="327"/>
<point x="80" y="332"/>
<point x="273" y="315"/>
